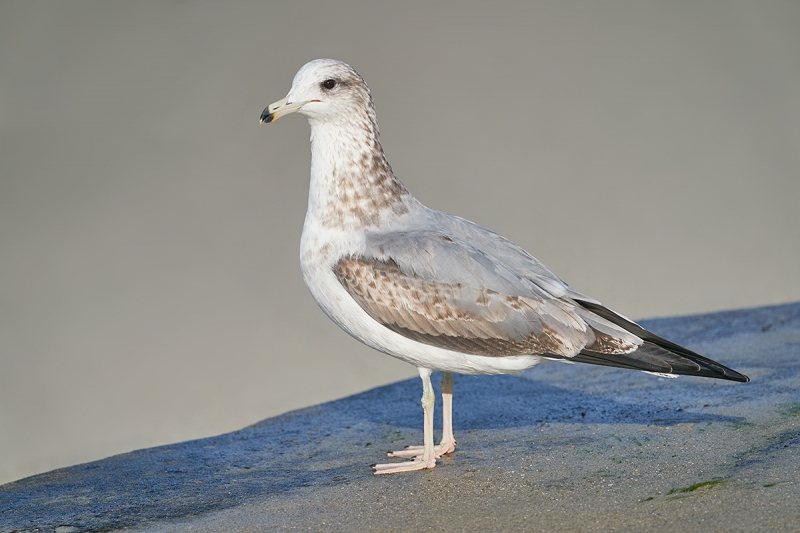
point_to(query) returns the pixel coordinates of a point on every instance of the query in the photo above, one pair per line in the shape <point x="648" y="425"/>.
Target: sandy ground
<point x="149" y="226"/>
<point x="564" y="448"/>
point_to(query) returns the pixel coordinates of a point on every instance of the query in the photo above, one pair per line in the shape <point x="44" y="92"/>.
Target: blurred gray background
<point x="647" y="152"/>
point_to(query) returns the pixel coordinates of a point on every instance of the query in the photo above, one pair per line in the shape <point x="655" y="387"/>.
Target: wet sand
<point x="560" y="448"/>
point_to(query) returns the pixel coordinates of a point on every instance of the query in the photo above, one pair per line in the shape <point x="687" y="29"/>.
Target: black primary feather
<point x="656" y="354"/>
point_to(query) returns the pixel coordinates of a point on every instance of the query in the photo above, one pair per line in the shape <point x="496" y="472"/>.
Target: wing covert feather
<point x="439" y="290"/>
<point x="466" y="289"/>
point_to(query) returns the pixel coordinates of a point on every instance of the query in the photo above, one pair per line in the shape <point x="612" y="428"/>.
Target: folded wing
<point x="435" y="288"/>
<point x="439" y="290"/>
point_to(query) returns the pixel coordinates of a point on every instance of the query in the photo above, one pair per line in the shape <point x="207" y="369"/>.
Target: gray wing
<point x="654" y="355"/>
<point x="494" y="299"/>
<point x="506" y="251"/>
<point x="437" y="289"/>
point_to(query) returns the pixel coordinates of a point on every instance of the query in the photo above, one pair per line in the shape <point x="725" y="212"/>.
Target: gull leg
<point x="448" y="444"/>
<point x="428" y="457"/>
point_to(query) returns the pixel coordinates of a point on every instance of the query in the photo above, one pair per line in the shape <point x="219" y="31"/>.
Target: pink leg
<point x="428" y="458"/>
<point x="448" y="444"/>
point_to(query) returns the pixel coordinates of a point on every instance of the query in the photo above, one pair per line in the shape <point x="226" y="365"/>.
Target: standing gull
<point x="433" y="289"/>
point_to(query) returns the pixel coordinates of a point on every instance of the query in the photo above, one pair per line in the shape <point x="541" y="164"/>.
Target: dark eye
<point x="329" y="84"/>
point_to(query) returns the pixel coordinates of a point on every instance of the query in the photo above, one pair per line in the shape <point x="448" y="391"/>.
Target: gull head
<point x="325" y="90"/>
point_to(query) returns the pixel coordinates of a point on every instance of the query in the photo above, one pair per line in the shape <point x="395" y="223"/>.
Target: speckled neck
<point x="352" y="184"/>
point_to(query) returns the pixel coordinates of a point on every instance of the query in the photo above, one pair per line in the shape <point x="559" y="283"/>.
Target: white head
<point x="325" y="90"/>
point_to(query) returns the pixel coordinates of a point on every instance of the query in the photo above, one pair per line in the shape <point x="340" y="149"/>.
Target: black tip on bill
<point x="267" y="117"/>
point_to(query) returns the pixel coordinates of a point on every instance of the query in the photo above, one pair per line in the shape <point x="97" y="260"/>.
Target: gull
<point x="433" y="289"/>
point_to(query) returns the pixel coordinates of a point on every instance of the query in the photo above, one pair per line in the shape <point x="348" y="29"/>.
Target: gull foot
<point x="415" y="452"/>
<point x="411" y="466"/>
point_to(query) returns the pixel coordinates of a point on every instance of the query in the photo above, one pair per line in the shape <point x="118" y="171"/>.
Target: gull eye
<point x="329" y="84"/>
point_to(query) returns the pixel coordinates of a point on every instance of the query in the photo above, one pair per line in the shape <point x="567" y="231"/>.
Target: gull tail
<point x="656" y="354"/>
